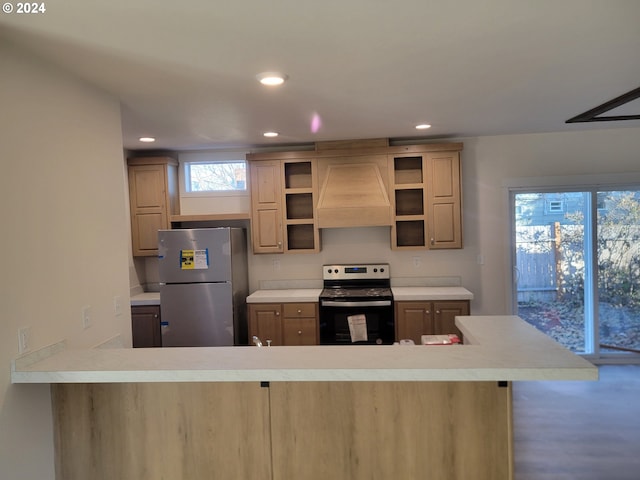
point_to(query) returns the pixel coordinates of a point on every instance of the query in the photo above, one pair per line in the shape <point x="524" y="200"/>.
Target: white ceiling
<point x="185" y="72"/>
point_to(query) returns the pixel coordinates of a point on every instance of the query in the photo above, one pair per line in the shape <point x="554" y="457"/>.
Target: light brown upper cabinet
<point x="153" y="198"/>
<point x="426" y="199"/>
<point x="266" y="207"/>
<point x="444" y="200"/>
<point x="300" y="195"/>
<point x="283" y="205"/>
<point x="414" y="188"/>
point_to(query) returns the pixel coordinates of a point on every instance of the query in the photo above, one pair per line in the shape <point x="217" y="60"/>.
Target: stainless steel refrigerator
<point x="203" y="287"/>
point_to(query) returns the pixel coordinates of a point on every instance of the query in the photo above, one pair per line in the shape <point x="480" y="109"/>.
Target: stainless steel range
<point x="356" y="305"/>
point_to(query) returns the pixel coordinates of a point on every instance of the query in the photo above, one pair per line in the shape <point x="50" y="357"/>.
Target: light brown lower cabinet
<point x="300" y="323"/>
<point x="414" y="319"/>
<point x="265" y="322"/>
<point x="284" y="430"/>
<point x="284" y="323"/>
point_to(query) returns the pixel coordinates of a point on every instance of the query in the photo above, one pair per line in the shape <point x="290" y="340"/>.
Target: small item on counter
<point x="358" y="328"/>
<point x="407" y="341"/>
<point x="448" y="339"/>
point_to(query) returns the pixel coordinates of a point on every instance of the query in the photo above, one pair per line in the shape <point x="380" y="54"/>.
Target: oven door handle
<point x="372" y="303"/>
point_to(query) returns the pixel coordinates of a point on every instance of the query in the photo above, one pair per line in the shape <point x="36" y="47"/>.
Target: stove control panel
<point x="370" y="271"/>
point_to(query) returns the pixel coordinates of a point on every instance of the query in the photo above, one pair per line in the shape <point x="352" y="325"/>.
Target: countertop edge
<point x="328" y="375"/>
<point x="501" y="348"/>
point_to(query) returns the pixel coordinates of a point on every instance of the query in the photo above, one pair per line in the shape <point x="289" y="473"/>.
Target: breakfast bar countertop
<point x="496" y="348"/>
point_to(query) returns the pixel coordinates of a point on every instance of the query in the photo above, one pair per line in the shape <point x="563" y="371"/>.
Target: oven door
<point x="334" y="325"/>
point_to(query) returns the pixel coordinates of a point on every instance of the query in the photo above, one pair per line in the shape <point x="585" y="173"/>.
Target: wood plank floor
<point x="579" y="430"/>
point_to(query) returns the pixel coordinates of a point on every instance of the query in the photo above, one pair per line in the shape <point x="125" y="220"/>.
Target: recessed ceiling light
<point x="270" y="134"/>
<point x="423" y="126"/>
<point x="272" y="78"/>
<point x="147" y="139"/>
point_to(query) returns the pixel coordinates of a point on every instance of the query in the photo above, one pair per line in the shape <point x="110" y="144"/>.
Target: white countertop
<point x="285" y="296"/>
<point x="312" y="294"/>
<point x="430" y="293"/>
<point x="499" y="348"/>
<point x="399" y="294"/>
<point x="147" y="298"/>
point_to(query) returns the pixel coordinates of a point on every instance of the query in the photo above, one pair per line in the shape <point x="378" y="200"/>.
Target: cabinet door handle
<point x="299" y="332"/>
<point x="427" y="312"/>
<point x="437" y="312"/>
<point x="277" y="314"/>
<point x="299" y="311"/>
<point x="433" y="241"/>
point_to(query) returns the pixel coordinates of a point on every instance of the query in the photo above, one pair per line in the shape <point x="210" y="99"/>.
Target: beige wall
<point x="64" y="238"/>
<point x="492" y="163"/>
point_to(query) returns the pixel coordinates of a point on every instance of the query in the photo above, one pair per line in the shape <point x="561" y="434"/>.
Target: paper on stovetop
<point x="358" y="328"/>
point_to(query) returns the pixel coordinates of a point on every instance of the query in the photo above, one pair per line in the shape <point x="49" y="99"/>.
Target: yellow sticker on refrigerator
<point x="194" y="259"/>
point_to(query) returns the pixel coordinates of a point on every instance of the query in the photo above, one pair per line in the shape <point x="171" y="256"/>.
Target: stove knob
<point x="329" y="271"/>
<point x="381" y="270"/>
<point x="375" y="270"/>
<point x="335" y="271"/>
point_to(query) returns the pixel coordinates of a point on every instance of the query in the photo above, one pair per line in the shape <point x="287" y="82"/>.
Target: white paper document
<point x="358" y="328"/>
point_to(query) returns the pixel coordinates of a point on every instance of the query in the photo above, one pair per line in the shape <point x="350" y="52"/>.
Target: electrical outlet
<point x="276" y="264"/>
<point x="117" y="305"/>
<point x="24" y="339"/>
<point x="86" y="316"/>
<point x="417" y="261"/>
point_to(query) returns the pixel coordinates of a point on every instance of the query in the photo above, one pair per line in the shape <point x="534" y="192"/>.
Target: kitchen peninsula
<point x="297" y="412"/>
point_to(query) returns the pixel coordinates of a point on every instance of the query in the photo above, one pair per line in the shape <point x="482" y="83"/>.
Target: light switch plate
<point x="117" y="305"/>
<point x="86" y="316"/>
<point x="24" y="339"/>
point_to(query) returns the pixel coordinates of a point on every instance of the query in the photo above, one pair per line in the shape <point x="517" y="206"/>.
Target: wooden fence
<point x="538" y="271"/>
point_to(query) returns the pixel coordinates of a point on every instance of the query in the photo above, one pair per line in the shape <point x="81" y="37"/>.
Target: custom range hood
<point x="353" y="194"/>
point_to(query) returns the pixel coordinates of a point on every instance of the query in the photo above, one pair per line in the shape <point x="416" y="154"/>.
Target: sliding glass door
<point x="576" y="267"/>
<point x="618" y="250"/>
<point x="551" y="245"/>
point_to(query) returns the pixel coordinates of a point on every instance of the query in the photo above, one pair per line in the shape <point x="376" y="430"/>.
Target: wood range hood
<point x="353" y="195"/>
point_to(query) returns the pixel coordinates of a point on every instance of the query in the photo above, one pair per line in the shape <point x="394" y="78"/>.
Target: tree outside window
<point x="219" y="176"/>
